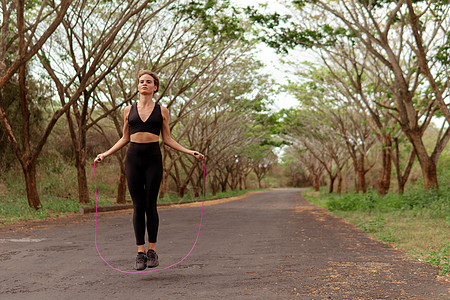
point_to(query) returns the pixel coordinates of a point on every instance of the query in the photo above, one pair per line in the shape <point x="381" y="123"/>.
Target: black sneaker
<point x="141" y="261"/>
<point x="152" y="259"/>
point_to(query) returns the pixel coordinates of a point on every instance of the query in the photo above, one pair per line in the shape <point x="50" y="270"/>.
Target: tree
<point x="34" y="42"/>
<point x="28" y="45"/>
<point x="195" y="48"/>
<point x="328" y="118"/>
<point x="313" y="166"/>
<point x="91" y="51"/>
<point x="360" y="80"/>
<point x="410" y="45"/>
<point x="305" y="129"/>
<point x="295" y="170"/>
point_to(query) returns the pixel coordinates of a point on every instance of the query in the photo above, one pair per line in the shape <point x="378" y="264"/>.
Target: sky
<point x="279" y="72"/>
<point x="273" y="66"/>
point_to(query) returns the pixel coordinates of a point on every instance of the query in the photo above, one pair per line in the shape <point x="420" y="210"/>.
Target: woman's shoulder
<point x="127" y="109"/>
<point x="163" y="109"/>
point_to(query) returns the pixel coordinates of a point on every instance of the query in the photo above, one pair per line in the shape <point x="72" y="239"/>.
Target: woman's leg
<point x="153" y="182"/>
<point x="136" y="187"/>
<point x="144" y="174"/>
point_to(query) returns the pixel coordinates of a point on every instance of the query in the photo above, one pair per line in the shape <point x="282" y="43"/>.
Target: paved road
<point x="271" y="245"/>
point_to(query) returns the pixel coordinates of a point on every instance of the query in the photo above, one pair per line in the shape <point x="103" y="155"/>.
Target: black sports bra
<point x="153" y="124"/>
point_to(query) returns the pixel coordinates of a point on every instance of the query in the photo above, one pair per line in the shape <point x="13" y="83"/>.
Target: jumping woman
<point x="143" y="123"/>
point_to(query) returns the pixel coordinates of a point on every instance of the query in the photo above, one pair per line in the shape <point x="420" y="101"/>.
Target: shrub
<point x="436" y="201"/>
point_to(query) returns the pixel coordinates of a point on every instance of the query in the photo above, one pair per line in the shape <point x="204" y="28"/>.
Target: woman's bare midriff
<point x="144" y="137"/>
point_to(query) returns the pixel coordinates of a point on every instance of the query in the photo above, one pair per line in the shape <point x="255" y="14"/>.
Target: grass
<point x="58" y="191"/>
<point x="15" y="209"/>
<point x="417" y="222"/>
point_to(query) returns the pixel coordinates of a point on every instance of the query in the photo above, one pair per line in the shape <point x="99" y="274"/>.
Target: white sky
<point x="274" y="68"/>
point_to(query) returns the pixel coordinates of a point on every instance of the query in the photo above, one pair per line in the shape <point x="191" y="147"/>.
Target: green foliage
<point x="13" y="209"/>
<point x="387" y="236"/>
<point x="270" y="21"/>
<point x="372" y="225"/>
<point x="377" y="226"/>
<point x="443" y="54"/>
<point x="219" y="18"/>
<point x="417" y="221"/>
<point x="282" y="34"/>
<point x="375" y="3"/>
<point x="438" y="201"/>
<point x="440" y="258"/>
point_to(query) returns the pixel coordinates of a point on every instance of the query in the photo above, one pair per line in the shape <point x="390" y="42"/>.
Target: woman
<point x="143" y="122"/>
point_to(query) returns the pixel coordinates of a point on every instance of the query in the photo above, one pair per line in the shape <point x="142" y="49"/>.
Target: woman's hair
<point x="151" y="73"/>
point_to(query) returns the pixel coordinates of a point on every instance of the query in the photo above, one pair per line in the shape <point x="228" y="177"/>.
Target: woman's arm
<point x="169" y="141"/>
<point x="123" y="141"/>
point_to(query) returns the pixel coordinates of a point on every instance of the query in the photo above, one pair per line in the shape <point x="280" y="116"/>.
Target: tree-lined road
<point x="270" y="245"/>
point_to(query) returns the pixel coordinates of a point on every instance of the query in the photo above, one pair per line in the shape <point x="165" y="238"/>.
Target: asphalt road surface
<point x="270" y="245"/>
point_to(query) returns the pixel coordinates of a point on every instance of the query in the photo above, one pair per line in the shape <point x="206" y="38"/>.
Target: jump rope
<point x="153" y="270"/>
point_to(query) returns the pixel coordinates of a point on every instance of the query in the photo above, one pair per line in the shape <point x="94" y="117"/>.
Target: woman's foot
<point x="141" y="261"/>
<point x="152" y="259"/>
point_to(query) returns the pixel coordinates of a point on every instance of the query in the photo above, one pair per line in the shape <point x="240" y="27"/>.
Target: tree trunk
<point x="243" y="181"/>
<point x="346" y="182"/>
<point x="339" y="187"/>
<point x="198" y="185"/>
<point x="360" y="173"/>
<point x="385" y="180"/>
<point x="122" y="187"/>
<point x="332" y="179"/>
<point x="80" y="163"/>
<point x="78" y="138"/>
<point x="223" y="183"/>
<point x="357" y="184"/>
<point x="315" y="182"/>
<point x="362" y="181"/>
<point x="402" y="178"/>
<point x="163" y="189"/>
<point x="427" y="164"/>
<point x="241" y="176"/>
<point x="214" y="187"/>
<point x="83" y="192"/>
<point x="233" y="178"/>
<point x="182" y="191"/>
<point x="259" y="181"/>
<point x="29" y="171"/>
<point x="401" y="185"/>
<point x="28" y="163"/>
<point x="223" y="186"/>
<point x="429" y="174"/>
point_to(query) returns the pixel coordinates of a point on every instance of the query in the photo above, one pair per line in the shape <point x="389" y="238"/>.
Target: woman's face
<point x="146" y="85"/>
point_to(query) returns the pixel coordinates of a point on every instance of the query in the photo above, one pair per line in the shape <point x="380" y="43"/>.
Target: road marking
<point x="23" y="240"/>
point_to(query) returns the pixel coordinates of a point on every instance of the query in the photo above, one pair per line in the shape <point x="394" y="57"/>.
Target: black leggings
<point x="144" y="174"/>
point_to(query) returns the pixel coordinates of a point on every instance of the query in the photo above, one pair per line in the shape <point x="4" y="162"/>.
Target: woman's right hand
<point x="100" y="157"/>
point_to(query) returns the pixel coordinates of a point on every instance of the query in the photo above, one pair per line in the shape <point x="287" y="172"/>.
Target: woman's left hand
<point x="198" y="155"/>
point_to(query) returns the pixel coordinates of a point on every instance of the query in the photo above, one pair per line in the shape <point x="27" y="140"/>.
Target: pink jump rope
<point x="153" y="270"/>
